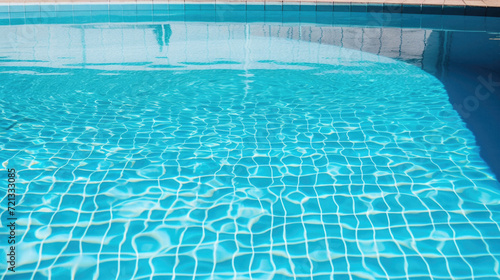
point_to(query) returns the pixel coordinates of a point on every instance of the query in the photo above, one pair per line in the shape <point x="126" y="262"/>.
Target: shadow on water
<point x="471" y="75"/>
<point x="467" y="63"/>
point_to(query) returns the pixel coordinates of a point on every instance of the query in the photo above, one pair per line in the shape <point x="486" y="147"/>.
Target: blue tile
<point x="129" y="18"/>
<point x="160" y="12"/>
<point x="4" y="8"/>
<point x="48" y="14"/>
<point x="129" y="7"/>
<point x="432" y="9"/>
<point x="81" y="13"/>
<point x="307" y="7"/>
<point x="239" y="16"/>
<point x="100" y="13"/>
<point x="129" y="13"/>
<point x="476" y="23"/>
<point x="291" y="16"/>
<point x="454" y="10"/>
<point x="355" y="7"/>
<point x="289" y="7"/>
<point x="17" y="15"/>
<point x="432" y="21"/>
<point x="493" y="11"/>
<point x="49" y="20"/>
<point x="32" y="8"/>
<point x="176" y="6"/>
<point x="100" y="17"/>
<point x="226" y="15"/>
<point x="32" y="15"/>
<point x="412" y="21"/>
<point x="238" y="7"/>
<point x="357" y="20"/>
<point x="211" y="16"/>
<point x="475" y="11"/>
<point x="144" y="7"/>
<point x="16" y="9"/>
<point x="454" y="23"/>
<point x="192" y="15"/>
<point x="82" y="19"/>
<point x="273" y="15"/>
<point x="207" y="6"/>
<point x="230" y="7"/>
<point x="116" y="13"/>
<point x="192" y="6"/>
<point x="144" y="13"/>
<point x="324" y="17"/>
<point x="327" y="7"/>
<point x="224" y="7"/>
<point x="341" y="8"/>
<point x="490" y="24"/>
<point x="4" y="15"/>
<point x="64" y="14"/>
<point x="115" y="18"/>
<point x="35" y="20"/>
<point x="17" y="21"/>
<point x="273" y="7"/>
<point x="255" y="7"/>
<point x="206" y="15"/>
<point x="253" y="16"/>
<point x="160" y="7"/>
<point x="144" y="18"/>
<point x="160" y="18"/>
<point x="411" y="9"/>
<point x="176" y="15"/>
<point x="67" y="20"/>
<point x="48" y="8"/>
<point x="45" y="20"/>
<point x="99" y="7"/>
<point x="64" y="8"/>
<point x="375" y="8"/>
<point x="220" y="15"/>
<point x="115" y="7"/>
<point x="82" y="7"/>
<point x="393" y="8"/>
<point x="308" y="16"/>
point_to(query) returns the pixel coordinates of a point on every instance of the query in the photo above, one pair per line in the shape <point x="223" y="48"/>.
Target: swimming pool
<point x="283" y="146"/>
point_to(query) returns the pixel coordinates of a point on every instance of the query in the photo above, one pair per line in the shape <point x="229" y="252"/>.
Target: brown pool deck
<point x="447" y="7"/>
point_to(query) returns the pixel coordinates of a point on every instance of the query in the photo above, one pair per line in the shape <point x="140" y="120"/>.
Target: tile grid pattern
<point x="174" y="14"/>
<point x="346" y="199"/>
<point x="466" y="7"/>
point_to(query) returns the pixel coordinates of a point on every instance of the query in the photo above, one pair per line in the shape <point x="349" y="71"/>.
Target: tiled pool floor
<point x="233" y="151"/>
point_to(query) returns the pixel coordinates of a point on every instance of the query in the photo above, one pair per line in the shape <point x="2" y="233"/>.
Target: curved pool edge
<point x="78" y="14"/>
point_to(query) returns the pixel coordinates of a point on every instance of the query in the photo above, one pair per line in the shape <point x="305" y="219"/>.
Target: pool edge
<point x="411" y="7"/>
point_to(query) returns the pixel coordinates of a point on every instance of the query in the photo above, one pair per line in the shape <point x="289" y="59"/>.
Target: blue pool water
<point x="233" y="150"/>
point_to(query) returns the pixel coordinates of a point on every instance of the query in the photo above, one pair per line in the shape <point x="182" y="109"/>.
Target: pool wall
<point x="478" y="8"/>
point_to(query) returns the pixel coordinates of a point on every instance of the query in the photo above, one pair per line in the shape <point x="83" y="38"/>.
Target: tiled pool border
<point x="15" y="10"/>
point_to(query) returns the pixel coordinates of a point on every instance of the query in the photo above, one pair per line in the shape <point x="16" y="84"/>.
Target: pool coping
<point x="488" y="8"/>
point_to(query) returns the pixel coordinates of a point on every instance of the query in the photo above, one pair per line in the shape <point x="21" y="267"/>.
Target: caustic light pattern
<point x="206" y="151"/>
